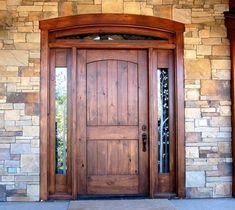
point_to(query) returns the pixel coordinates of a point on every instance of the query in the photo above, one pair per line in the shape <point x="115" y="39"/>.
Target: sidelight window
<point x="163" y="121"/>
<point x="61" y="94"/>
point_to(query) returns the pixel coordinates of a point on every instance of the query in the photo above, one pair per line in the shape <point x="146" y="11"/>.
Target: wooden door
<point x="112" y="120"/>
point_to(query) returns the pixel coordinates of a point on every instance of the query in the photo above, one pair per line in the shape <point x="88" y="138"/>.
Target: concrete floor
<point x="186" y="204"/>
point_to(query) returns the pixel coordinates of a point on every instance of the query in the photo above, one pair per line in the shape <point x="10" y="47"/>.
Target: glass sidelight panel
<point x="61" y="122"/>
<point x="163" y="121"/>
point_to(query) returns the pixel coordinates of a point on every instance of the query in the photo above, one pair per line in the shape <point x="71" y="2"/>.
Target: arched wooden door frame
<point x="164" y="29"/>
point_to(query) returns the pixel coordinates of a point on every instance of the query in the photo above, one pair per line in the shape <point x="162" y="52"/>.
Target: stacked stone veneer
<point x="207" y="94"/>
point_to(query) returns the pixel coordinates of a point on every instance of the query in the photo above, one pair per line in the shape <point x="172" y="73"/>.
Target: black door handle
<point x="144" y="140"/>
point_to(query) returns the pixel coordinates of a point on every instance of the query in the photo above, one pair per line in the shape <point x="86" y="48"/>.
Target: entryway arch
<point x="86" y="47"/>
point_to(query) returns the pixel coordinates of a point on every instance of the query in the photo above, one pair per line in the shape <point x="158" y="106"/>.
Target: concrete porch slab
<point x="146" y="204"/>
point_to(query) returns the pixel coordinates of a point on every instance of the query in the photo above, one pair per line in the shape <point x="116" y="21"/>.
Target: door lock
<point x="144" y="140"/>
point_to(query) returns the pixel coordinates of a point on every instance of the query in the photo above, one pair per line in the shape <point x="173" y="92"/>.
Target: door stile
<point x="81" y="120"/>
<point x="74" y="143"/>
<point x="52" y="179"/>
<point x="143" y="121"/>
<point x="152" y="122"/>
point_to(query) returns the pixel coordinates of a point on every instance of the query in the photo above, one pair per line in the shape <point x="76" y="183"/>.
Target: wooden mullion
<point x="44" y="81"/>
<point x="180" y="133"/>
<point x="74" y="122"/>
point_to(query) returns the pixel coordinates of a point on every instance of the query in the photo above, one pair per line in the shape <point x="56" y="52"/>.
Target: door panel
<point x="115" y="84"/>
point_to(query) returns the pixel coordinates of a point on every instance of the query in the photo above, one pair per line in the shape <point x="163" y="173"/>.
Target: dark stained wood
<point x="52" y="178"/>
<point x="179" y="103"/>
<point x="60" y="183"/>
<point x="74" y="141"/>
<point x="112" y="30"/>
<point x="81" y="120"/>
<point x="172" y="33"/>
<point x="112" y="132"/>
<point x="144" y="165"/>
<point x="152" y="122"/>
<point x="106" y="74"/>
<point x="230" y="24"/>
<point x="107" y="44"/>
<point x="139" y="21"/>
<point x="44" y="109"/>
<point x="105" y="185"/>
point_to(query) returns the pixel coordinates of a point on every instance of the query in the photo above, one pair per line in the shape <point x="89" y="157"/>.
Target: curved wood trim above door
<point x="90" y="20"/>
<point x="169" y="31"/>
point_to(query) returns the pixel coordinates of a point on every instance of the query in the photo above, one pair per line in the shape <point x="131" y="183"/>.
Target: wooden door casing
<point x="116" y="104"/>
<point x="172" y="34"/>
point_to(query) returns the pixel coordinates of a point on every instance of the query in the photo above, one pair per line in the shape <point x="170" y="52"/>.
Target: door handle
<point x="144" y="140"/>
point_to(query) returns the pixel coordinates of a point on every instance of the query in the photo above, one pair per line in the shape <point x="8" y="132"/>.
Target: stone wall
<point x="207" y="95"/>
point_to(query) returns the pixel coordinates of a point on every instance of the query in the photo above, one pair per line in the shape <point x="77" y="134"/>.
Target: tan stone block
<point x="25" y="29"/>
<point x="49" y="8"/>
<point x="192" y="94"/>
<point x="66" y="8"/>
<point x="29" y="8"/>
<point x="182" y="15"/>
<point x="164" y="11"/>
<point x="190" y="54"/>
<point x="18" y="37"/>
<point x="203" y="50"/>
<point x="225" y="110"/>
<point x="154" y="2"/>
<point x="205" y="33"/>
<point x="14" y="57"/>
<point x="221" y="74"/>
<point x="132" y="7"/>
<point x="83" y="9"/>
<point x="218" y="32"/>
<point x="211" y="41"/>
<point x="221" y="64"/>
<point x="12" y="115"/>
<point x="29" y="163"/>
<point x="145" y="9"/>
<point x="31" y="131"/>
<point x="221" y="50"/>
<point x="33" y="191"/>
<point x="189" y="127"/>
<point x="197" y="69"/>
<point x="85" y="1"/>
<point x="219" y="88"/>
<point x="3" y="5"/>
<point x="13" y="2"/>
<point x="192" y="113"/>
<point x="192" y="40"/>
<point x="223" y="189"/>
<point x="192" y="152"/>
<point x="33" y="37"/>
<point x="112" y="6"/>
<point x="97" y="1"/>
<point x="203" y="19"/>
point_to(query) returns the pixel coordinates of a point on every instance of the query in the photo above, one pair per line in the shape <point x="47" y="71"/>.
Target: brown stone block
<point x="32" y="109"/>
<point x="132" y="7"/>
<point x="67" y="8"/>
<point x="23" y="98"/>
<point x="193" y="137"/>
<point x="221" y="50"/>
<point x="218" y="88"/>
<point x="197" y="69"/>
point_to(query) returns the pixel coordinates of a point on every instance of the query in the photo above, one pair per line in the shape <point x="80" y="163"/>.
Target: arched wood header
<point x="169" y="32"/>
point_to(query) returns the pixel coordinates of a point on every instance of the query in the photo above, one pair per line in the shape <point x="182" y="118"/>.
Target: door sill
<point x="111" y="197"/>
<point x="165" y="195"/>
